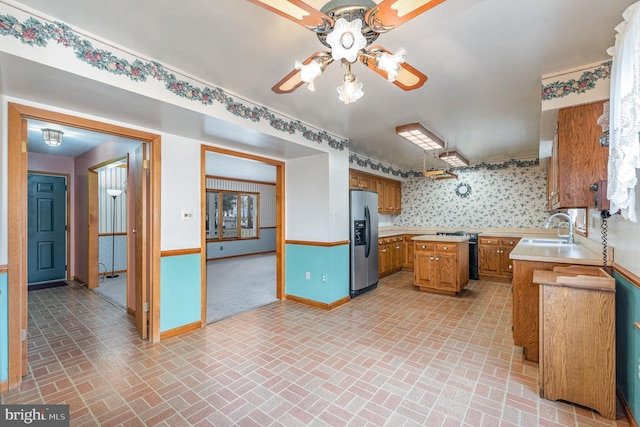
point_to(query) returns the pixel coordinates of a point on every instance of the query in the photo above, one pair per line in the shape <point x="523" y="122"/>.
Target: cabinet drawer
<point x="446" y="248"/>
<point x="424" y="246"/>
<point x="489" y="240"/>
<point x="509" y="242"/>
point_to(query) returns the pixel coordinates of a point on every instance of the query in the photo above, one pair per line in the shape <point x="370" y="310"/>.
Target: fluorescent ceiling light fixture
<point x="446" y="175"/>
<point x="52" y="137"/>
<point x="419" y="135"/>
<point x="454" y="158"/>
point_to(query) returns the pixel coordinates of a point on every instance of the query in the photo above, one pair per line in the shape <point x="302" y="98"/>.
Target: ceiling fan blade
<point x="298" y="12"/>
<point x="391" y="13"/>
<point x="409" y="78"/>
<point x="293" y="80"/>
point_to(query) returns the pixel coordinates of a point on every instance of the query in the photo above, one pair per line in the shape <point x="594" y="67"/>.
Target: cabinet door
<point x="423" y="268"/>
<point x="396" y="254"/>
<point x="397" y="197"/>
<point x="384" y="257"/>
<point x="581" y="160"/>
<point x="409" y="252"/>
<point x="489" y="256"/>
<point x="446" y="271"/>
<point x="506" y="264"/>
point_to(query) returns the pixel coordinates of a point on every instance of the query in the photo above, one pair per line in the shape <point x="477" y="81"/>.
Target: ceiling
<point x="484" y="60"/>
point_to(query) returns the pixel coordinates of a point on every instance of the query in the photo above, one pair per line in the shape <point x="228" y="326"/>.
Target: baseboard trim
<point x="180" y="330"/>
<point x="625" y="405"/>
<point x="318" y="304"/>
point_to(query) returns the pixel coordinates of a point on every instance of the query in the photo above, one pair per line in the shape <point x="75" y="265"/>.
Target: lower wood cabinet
<point x="526" y="306"/>
<point x="577" y="337"/>
<point x="441" y="267"/>
<point x="390" y="255"/>
<point x="493" y="258"/>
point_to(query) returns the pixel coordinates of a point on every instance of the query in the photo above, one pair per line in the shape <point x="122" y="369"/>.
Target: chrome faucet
<point x="568" y="221"/>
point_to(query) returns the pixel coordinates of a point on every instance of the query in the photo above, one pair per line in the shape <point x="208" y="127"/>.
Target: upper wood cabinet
<point x="578" y="160"/>
<point x="389" y="190"/>
<point x="362" y="181"/>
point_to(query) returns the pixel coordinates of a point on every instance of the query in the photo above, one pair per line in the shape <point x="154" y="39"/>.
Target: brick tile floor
<point x="394" y="356"/>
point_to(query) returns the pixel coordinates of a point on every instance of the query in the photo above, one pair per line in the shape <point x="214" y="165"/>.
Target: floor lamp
<point x="114" y="194"/>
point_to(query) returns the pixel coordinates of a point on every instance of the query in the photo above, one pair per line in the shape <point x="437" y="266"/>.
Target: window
<point x="232" y="215"/>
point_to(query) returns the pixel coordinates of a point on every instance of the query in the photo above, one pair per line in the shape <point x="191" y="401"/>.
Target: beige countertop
<point x="570" y="254"/>
<point x="496" y="232"/>
<point x="433" y="238"/>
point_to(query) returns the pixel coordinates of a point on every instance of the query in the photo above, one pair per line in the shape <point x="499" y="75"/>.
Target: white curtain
<point x="624" y="114"/>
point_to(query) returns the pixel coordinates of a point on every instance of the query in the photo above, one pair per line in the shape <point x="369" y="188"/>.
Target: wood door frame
<point x="67" y="205"/>
<point x="280" y="241"/>
<point x="17" y="169"/>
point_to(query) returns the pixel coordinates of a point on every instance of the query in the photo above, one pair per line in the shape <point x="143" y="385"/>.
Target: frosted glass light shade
<point x="350" y="91"/>
<point x="114" y="193"/>
<point x="309" y="72"/>
<point x="391" y="63"/>
<point x="346" y="40"/>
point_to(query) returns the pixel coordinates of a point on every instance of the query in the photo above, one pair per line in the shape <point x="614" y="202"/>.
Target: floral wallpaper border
<point x="587" y="81"/>
<point x="381" y="167"/>
<point x="33" y="32"/>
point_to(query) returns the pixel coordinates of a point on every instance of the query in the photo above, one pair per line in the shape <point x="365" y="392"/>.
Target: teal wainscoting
<point x="180" y="292"/>
<point x="331" y="261"/>
<point x="4" y="329"/>
<point x="628" y="342"/>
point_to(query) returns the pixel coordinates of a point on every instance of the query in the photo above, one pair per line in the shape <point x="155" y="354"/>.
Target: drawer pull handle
<point x="423" y="246"/>
<point x="510" y="267"/>
<point x="445" y="248"/>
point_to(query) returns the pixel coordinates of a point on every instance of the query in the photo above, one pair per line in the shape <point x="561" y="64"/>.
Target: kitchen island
<point x="441" y="263"/>
<point x="526" y="258"/>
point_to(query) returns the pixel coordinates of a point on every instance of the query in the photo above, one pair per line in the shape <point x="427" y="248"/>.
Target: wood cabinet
<point x="577" y="337"/>
<point x="389" y="191"/>
<point x="390" y="202"/>
<point x="578" y="160"/>
<point x="390" y="251"/>
<point x="493" y="258"/>
<point x="408" y="251"/>
<point x="441" y="267"/>
<point x="362" y="181"/>
<point x="526" y="305"/>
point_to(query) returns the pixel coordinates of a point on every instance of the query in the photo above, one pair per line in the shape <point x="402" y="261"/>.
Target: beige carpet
<point x="236" y="285"/>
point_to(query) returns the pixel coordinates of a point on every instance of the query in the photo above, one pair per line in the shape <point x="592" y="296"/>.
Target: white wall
<point x="180" y="192"/>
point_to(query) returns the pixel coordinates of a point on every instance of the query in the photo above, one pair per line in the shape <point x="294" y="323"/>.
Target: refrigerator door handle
<point x="367" y="219"/>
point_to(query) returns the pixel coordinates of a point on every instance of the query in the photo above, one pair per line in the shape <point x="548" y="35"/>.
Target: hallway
<point x="394" y="356"/>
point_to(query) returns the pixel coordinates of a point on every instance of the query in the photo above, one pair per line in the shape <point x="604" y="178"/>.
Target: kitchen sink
<point x="546" y="241"/>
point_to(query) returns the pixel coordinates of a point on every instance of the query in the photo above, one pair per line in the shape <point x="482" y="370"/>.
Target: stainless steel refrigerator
<point x="363" y="221"/>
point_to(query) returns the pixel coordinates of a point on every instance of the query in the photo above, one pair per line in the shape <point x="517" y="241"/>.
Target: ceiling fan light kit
<point x="347" y="27"/>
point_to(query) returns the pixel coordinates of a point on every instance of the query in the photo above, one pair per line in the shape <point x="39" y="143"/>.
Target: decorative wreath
<point x="463" y="189"/>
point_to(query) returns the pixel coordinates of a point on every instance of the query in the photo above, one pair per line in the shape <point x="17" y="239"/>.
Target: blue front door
<point x="47" y="241"/>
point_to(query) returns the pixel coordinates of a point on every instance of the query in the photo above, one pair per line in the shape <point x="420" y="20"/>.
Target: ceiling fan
<point x="348" y="28"/>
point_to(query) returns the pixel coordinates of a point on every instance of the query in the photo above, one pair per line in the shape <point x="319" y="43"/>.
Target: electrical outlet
<point x="324" y="278"/>
<point x="187" y="215"/>
<point x="307" y="275"/>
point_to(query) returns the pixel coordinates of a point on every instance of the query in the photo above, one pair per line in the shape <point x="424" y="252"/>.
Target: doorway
<point x="242" y="228"/>
<point x="17" y="214"/>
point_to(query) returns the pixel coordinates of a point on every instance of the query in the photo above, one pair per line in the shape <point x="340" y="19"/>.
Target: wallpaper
<point x="511" y="197"/>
